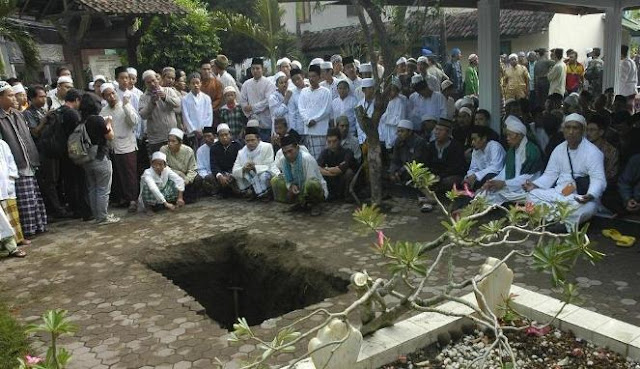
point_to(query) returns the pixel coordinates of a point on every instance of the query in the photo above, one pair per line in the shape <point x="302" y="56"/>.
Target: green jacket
<point x="471" y="81"/>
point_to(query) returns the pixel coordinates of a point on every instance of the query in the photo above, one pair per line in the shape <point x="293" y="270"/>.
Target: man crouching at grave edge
<point x="160" y="186"/>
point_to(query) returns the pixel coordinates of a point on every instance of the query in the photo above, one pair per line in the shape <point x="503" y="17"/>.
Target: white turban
<point x="368" y="82"/>
<point x="429" y="117"/>
<point x="106" y="86"/>
<point x="465" y="110"/>
<point x="575" y="117"/>
<point x="132" y="71"/>
<point x="65" y="79"/>
<point x="223" y="127"/>
<point x="158" y="156"/>
<point x="19" y="89"/>
<point x="445" y="84"/>
<point x="148" y="73"/>
<point x="406" y="124"/>
<point x="402" y="60"/>
<point x="100" y="77"/>
<point x="366" y="68"/>
<point x="4" y="86"/>
<point x="176" y="132"/>
<point x="515" y="125"/>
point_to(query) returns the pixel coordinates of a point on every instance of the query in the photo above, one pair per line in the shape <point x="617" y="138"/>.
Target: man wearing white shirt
<point x="557" y="75"/>
<point x="279" y="99"/>
<point x="336" y="61"/>
<point x="294" y="119"/>
<point x="203" y="161"/>
<point x="254" y="98"/>
<point x="65" y="83"/>
<point x="329" y="82"/>
<point x="351" y="72"/>
<point x="314" y="105"/>
<point x="487" y="158"/>
<point x="197" y="112"/>
<point x="255" y="166"/>
<point x="220" y="64"/>
<point x="628" y="75"/>
<point x="133" y="79"/>
<point x="425" y="101"/>
<point x="368" y="103"/>
<point x="344" y="105"/>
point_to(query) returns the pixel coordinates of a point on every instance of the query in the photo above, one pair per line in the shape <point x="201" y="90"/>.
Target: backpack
<point x="53" y="139"/>
<point x="79" y="146"/>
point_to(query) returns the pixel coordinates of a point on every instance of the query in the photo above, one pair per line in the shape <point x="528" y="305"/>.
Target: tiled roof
<point x="460" y="25"/>
<point x="133" y="6"/>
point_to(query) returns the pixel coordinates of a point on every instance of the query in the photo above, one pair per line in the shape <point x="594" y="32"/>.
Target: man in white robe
<point x="255" y="166"/>
<point x="344" y="105"/>
<point x="160" y="186"/>
<point x="351" y="72"/>
<point x="627" y="84"/>
<point x="328" y="81"/>
<point x="396" y="111"/>
<point x="203" y="161"/>
<point x="426" y="101"/>
<point x="565" y="181"/>
<point x="254" y="98"/>
<point x="294" y="120"/>
<point x="487" y="158"/>
<point x="314" y="106"/>
<point x="338" y="66"/>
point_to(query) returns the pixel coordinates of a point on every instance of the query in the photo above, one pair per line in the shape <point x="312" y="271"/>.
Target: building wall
<point x="577" y="32"/>
<point x="331" y="16"/>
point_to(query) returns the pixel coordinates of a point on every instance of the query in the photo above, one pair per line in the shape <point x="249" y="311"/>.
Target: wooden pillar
<point x="488" y="52"/>
<point x="612" y="44"/>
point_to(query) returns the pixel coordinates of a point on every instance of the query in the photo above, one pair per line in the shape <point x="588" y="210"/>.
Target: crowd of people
<point x="295" y="137"/>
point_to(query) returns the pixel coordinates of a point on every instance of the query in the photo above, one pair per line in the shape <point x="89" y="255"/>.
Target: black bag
<point x="582" y="183"/>
<point x="52" y="142"/>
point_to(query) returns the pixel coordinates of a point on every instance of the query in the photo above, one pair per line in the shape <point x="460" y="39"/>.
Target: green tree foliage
<point x="180" y="40"/>
<point x="9" y="30"/>
<point x="236" y="46"/>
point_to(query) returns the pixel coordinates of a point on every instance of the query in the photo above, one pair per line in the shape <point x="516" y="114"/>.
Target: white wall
<point x="577" y="32"/>
<point x="331" y="16"/>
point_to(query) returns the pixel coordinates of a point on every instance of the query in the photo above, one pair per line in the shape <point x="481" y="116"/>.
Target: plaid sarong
<point x="169" y="191"/>
<point x="315" y="145"/>
<point x="33" y="216"/>
<point x="10" y="207"/>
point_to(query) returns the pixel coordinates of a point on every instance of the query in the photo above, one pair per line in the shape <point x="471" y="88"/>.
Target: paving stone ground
<point x="129" y="316"/>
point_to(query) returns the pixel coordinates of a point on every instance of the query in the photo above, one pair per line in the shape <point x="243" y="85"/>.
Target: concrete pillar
<point x="612" y="43"/>
<point x="488" y="54"/>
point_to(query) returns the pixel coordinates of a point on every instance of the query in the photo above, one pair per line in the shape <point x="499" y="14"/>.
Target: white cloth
<point x="388" y="126"/>
<point x="263" y="159"/>
<point x="197" y="112"/>
<point x="293" y="115"/>
<point x="134" y="99"/>
<point x="346" y="107"/>
<point x="6" y="230"/>
<point x="333" y="87"/>
<point x="310" y="169"/>
<point x="256" y="94"/>
<point x="489" y="160"/>
<point x="435" y="106"/>
<point x="8" y="173"/>
<point x="227" y="80"/>
<point x="557" y="77"/>
<point x="277" y="108"/>
<point x="628" y="78"/>
<point x="280" y="155"/>
<point x="355" y="87"/>
<point x="315" y="105"/>
<point x="125" y="120"/>
<point x="153" y="182"/>
<point x="203" y="160"/>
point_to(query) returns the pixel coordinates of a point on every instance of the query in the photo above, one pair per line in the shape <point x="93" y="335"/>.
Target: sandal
<point x="17" y="253"/>
<point x="621" y="240"/>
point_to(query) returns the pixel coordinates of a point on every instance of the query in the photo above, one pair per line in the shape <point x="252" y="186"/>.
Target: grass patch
<point x="14" y="342"/>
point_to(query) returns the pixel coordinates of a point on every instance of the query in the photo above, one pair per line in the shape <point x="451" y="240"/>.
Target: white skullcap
<point x="158" y="156"/>
<point x="176" y="132"/>
<point x="148" y="73"/>
<point x="223" y="127"/>
<point x="406" y="124"/>
<point x="228" y="89"/>
<point x="446" y="84"/>
<point x="277" y="76"/>
<point x="395" y="81"/>
<point x="589" y="50"/>
<point x="513" y="56"/>
<point x="326" y="65"/>
<point x="316" y="61"/>
<point x="575" y="117"/>
<point x="132" y="71"/>
<point x="4" y="86"/>
<point x="19" y="89"/>
<point x="336" y="58"/>
<point x="402" y="60"/>
<point x="366" y="68"/>
<point x="65" y="79"/>
<point x="297" y="64"/>
<point x="509" y="101"/>
<point x="433" y="83"/>
<point x="473" y="57"/>
<point x="416" y="78"/>
<point x="284" y="60"/>
<point x="464" y="109"/>
<point x="253" y="123"/>
<point x="356" y="63"/>
<point x="515" y="125"/>
<point x="429" y="117"/>
<point x="106" y="86"/>
<point x="91" y="85"/>
<point x="100" y="77"/>
<point x="423" y="59"/>
<point x="368" y="82"/>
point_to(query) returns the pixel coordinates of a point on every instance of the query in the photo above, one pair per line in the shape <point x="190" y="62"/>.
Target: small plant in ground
<point x="410" y="268"/>
<point x="56" y="324"/>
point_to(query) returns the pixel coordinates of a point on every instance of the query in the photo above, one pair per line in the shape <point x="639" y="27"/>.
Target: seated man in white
<point x="255" y="166"/>
<point x="574" y="175"/>
<point x="161" y="187"/>
<point x="487" y="158"/>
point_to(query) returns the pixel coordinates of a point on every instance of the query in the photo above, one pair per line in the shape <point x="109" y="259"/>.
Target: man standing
<point x="133" y="79"/>
<point x="557" y="75"/>
<point x="254" y="98"/>
<point x="517" y="79"/>
<point x="220" y="64"/>
<point x="351" y="72"/>
<point x="532" y="58"/>
<point x="344" y="105"/>
<point x="336" y="61"/>
<point x="425" y="101"/>
<point x="294" y="120"/>
<point x="211" y="85"/>
<point x="315" y="110"/>
<point x="157" y="106"/>
<point x="453" y="70"/>
<point x="575" y="73"/>
<point x="15" y="133"/>
<point x="471" y="81"/>
<point x="594" y="72"/>
<point x="53" y="95"/>
<point x="628" y="75"/>
<point x="35" y="114"/>
<point x="328" y="81"/>
<point x="65" y="83"/>
<point x="254" y="166"/>
<point x="196" y="111"/>
<point x="540" y="80"/>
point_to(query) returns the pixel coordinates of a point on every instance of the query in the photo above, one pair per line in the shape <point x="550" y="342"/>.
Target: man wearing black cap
<point x="254" y="166"/>
<point x="254" y="98"/>
<point x="314" y="106"/>
<point x="445" y="157"/>
<point x="203" y="161"/>
<point x="352" y="74"/>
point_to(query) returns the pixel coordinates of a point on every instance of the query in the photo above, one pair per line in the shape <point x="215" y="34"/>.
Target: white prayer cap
<point x="283" y="60"/>
<point x="473" y="57"/>
<point x="509" y="101"/>
<point x="106" y="86"/>
<point x="148" y="73"/>
<point x="429" y="117"/>
<point x="228" y="89"/>
<point x="366" y="68"/>
<point x="296" y="64"/>
<point x="336" y="58"/>
<point x="575" y="117"/>
<point x="423" y="59"/>
<point x="277" y="76"/>
<point x="253" y="123"/>
<point x="4" y="86"/>
<point x="513" y="56"/>
<point x="572" y="99"/>
<point x="416" y="78"/>
<point x="368" y="82"/>
<point x="158" y="156"/>
<point x="326" y="65"/>
<point x="465" y="110"/>
<point x="589" y="50"/>
<point x="515" y="125"/>
<point x="316" y="61"/>
<point x="223" y="127"/>
<point x="433" y="83"/>
<point x="91" y="85"/>
<point x="406" y="124"/>
<point x="176" y="132"/>
<point x="446" y="84"/>
<point x="132" y="71"/>
<point x="65" y="79"/>
<point x="19" y="89"/>
<point x="356" y="63"/>
<point x="402" y="60"/>
<point x="99" y="77"/>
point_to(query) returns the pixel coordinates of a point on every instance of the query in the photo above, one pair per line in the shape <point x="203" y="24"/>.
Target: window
<point x="303" y="12"/>
<point x="352" y="11"/>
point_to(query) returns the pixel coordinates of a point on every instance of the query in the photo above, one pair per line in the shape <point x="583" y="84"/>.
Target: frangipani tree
<point x="410" y="262"/>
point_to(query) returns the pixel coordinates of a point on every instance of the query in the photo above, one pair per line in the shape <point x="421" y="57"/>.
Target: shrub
<point x="14" y="342"/>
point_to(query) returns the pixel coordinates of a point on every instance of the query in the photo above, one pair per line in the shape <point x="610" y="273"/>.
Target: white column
<point x="488" y="54"/>
<point x="612" y="43"/>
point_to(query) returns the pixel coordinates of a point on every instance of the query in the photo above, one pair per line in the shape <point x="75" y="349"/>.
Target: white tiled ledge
<point x="406" y="336"/>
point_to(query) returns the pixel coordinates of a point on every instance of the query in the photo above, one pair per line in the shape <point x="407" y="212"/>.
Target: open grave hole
<point x="236" y="275"/>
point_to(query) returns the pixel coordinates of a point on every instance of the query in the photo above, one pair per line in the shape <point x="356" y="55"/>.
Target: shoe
<point x="110" y="219"/>
<point x="133" y="207"/>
